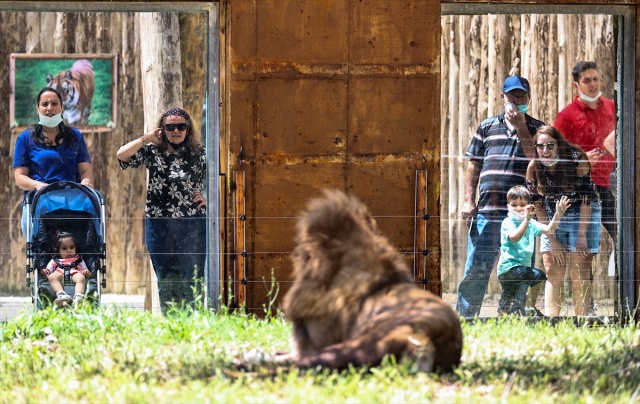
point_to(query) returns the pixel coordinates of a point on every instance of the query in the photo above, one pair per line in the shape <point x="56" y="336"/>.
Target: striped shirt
<point x="504" y="165"/>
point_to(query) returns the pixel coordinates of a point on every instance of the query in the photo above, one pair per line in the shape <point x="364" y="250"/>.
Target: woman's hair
<point x="565" y="170"/>
<point x="518" y="192"/>
<point x="65" y="132"/>
<point x="57" y="239"/>
<point x="191" y="139"/>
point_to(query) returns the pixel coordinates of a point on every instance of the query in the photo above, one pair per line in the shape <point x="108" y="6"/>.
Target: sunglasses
<point x="173" y="126"/>
<point x="548" y="146"/>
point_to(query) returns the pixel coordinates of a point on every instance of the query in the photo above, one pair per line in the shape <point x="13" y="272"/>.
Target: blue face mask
<point x="522" y="108"/>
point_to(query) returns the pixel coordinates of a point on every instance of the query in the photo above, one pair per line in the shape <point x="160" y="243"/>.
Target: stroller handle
<point x="32" y="194"/>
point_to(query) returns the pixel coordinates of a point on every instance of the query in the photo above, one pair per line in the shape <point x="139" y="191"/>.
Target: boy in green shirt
<point x="517" y="240"/>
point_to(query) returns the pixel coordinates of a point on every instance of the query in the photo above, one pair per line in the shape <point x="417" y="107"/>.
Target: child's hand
<point x="530" y="210"/>
<point x="562" y="205"/>
<point x="86" y="273"/>
<point x="45" y="272"/>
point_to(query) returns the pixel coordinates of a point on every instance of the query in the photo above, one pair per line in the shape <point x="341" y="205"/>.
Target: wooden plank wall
<point x="341" y="94"/>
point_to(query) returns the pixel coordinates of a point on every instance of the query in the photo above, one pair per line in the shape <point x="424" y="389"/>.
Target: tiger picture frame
<point x="87" y="83"/>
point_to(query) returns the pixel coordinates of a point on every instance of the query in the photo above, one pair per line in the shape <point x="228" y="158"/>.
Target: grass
<point x="132" y="356"/>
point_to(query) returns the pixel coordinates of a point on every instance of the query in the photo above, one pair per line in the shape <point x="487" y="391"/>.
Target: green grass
<point x="132" y="356"/>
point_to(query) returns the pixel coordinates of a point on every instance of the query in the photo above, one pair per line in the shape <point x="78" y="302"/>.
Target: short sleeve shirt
<point x="574" y="197"/>
<point x="174" y="178"/>
<point x="504" y="164"/>
<point x="51" y="163"/>
<point x="588" y="127"/>
<point x="517" y="253"/>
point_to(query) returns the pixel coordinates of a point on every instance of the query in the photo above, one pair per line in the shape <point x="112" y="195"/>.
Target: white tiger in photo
<point x="76" y="85"/>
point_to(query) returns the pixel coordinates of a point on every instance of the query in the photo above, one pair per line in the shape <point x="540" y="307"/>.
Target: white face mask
<point x="550" y="163"/>
<point x="519" y="216"/>
<point x="585" y="97"/>
<point x="50" y="121"/>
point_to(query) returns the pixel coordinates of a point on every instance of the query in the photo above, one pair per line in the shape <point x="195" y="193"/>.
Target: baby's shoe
<point x="62" y="299"/>
<point x="78" y="298"/>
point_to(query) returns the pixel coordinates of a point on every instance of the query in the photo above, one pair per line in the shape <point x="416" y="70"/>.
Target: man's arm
<point x="471" y="184"/>
<point x="519" y="123"/>
<point x="610" y="143"/>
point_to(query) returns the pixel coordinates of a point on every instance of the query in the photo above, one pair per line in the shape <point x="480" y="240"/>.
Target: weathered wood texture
<point x="113" y="33"/>
<point x="160" y="34"/>
<point x="478" y="52"/>
<point x="335" y="94"/>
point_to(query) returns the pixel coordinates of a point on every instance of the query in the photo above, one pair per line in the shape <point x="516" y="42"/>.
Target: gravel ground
<point x="11" y="306"/>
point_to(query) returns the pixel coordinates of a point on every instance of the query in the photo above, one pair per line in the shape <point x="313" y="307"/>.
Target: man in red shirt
<point x="587" y="122"/>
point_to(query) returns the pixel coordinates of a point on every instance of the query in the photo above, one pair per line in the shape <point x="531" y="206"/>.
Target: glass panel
<point x="106" y="28"/>
<point x="478" y="51"/>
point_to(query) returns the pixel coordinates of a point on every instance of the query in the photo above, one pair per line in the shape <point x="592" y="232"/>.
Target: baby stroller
<point x="71" y="207"/>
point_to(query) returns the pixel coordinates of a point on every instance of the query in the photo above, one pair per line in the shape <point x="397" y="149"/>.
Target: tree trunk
<point x="161" y="87"/>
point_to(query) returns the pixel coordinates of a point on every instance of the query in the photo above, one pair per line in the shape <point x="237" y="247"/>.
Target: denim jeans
<point x="177" y="247"/>
<point x="567" y="231"/>
<point x="515" y="284"/>
<point x="483" y="248"/>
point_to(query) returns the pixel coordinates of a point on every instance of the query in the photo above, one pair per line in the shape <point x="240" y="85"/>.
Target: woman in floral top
<point x="562" y="168"/>
<point x="175" y="223"/>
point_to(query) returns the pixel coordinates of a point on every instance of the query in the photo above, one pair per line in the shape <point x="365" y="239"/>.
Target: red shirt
<point x="588" y="127"/>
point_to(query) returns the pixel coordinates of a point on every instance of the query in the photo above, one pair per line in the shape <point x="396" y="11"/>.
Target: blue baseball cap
<point x="515" y="83"/>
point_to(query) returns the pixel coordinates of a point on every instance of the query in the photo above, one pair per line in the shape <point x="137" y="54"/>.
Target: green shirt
<point x="519" y="253"/>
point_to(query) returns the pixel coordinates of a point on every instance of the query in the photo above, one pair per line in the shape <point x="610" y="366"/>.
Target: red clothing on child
<point x="53" y="266"/>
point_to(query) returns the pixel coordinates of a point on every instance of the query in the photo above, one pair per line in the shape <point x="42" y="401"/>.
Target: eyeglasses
<point x="172" y="126"/>
<point x="548" y="146"/>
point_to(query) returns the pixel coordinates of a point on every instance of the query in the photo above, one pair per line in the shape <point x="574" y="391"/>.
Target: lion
<point x="76" y="86"/>
<point x="353" y="300"/>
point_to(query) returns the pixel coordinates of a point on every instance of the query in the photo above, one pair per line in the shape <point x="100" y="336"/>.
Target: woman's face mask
<point x="50" y="121"/>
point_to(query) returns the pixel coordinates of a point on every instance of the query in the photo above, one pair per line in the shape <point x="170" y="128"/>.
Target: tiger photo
<point x="76" y="85"/>
<point x="353" y="300"/>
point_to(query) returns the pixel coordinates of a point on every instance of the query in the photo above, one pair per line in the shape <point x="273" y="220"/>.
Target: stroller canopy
<point x="66" y="198"/>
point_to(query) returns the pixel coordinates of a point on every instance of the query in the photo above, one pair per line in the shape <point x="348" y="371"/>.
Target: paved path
<point x="11" y="306"/>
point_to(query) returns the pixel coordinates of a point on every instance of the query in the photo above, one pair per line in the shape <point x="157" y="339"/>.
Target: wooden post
<point x="420" y="232"/>
<point x="161" y="89"/>
<point x="239" y="270"/>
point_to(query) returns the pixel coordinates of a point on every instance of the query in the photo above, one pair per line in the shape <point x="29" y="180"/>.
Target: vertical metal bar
<point x="625" y="154"/>
<point x="212" y="273"/>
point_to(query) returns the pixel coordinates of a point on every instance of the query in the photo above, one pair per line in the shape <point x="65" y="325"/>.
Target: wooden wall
<point x="314" y="94"/>
<point x="341" y="94"/>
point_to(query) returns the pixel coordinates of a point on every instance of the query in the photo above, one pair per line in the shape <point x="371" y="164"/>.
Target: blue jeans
<point x="178" y="251"/>
<point x="483" y="248"/>
<point x="567" y="231"/>
<point x="515" y="283"/>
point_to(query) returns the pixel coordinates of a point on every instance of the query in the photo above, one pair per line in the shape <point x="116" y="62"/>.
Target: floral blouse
<point x="173" y="180"/>
<point x="584" y="189"/>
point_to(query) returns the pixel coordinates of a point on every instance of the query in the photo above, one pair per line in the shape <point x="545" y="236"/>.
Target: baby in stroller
<point x="78" y="211"/>
<point x="66" y="259"/>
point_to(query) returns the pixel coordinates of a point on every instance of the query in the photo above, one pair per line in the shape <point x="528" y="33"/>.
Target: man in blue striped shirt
<point x="498" y="157"/>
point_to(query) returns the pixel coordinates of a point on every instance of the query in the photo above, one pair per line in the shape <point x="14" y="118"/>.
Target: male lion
<point x="76" y="86"/>
<point x="353" y="300"/>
